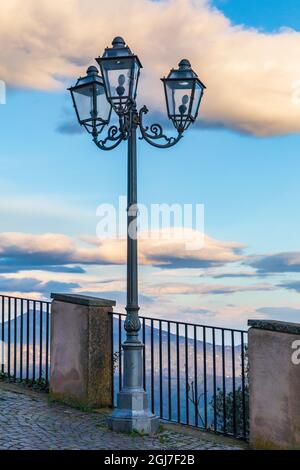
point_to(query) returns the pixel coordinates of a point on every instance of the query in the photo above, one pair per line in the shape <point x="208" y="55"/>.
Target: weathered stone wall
<point x="274" y="385"/>
<point x="81" y="345"/>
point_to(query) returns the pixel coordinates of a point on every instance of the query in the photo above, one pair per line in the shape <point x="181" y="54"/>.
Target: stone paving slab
<point x="30" y="421"/>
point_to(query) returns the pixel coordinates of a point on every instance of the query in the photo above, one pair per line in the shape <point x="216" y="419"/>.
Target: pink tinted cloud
<point x="251" y="76"/>
<point x="60" y="250"/>
<point x="208" y="289"/>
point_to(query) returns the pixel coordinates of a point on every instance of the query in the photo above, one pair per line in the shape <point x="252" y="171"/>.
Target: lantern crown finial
<point x="118" y="41"/>
<point x="92" y="70"/>
<point x="184" y="64"/>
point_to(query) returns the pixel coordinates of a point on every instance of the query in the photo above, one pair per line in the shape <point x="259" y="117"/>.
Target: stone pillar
<point x="274" y="353"/>
<point x="81" y="350"/>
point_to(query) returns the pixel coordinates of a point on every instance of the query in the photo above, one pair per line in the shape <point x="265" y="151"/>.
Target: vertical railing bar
<point x="243" y="385"/>
<point x="3" y="334"/>
<point x="224" y="381"/>
<point x="160" y="372"/>
<point x="214" y="379"/>
<point x="27" y="339"/>
<point x="15" y="339"/>
<point x="205" y="376"/>
<point x="34" y="341"/>
<point x="186" y="376"/>
<point x="169" y="374"/>
<point x="47" y="342"/>
<point x="9" y="337"/>
<point x="233" y="385"/>
<point x="178" y="372"/>
<point x="41" y="342"/>
<point x="21" y="340"/>
<point x="152" y="369"/>
<point x="120" y="352"/>
<point x="112" y="360"/>
<point x="144" y="353"/>
<point x="195" y="377"/>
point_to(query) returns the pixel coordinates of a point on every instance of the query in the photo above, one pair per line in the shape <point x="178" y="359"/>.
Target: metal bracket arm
<point x="154" y="134"/>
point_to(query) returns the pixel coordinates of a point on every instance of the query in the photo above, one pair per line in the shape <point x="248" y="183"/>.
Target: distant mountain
<point x="201" y="348"/>
<point x="28" y="319"/>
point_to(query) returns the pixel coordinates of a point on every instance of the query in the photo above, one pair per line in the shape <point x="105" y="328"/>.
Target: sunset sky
<point x="241" y="160"/>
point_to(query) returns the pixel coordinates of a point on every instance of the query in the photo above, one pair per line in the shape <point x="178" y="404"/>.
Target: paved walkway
<point x="28" y="420"/>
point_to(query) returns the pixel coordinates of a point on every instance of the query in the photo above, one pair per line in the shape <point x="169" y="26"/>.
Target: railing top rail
<point x="6" y="296"/>
<point x="163" y="320"/>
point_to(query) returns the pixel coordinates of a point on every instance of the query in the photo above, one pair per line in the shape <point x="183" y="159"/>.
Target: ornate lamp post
<point x="94" y="97"/>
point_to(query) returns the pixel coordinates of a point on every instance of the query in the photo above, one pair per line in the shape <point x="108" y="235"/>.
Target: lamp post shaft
<point x="132" y="411"/>
<point x="132" y="323"/>
<point x="132" y="347"/>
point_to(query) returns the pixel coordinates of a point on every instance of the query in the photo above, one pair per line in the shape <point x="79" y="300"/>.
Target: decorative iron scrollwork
<point x="114" y="135"/>
<point x="154" y="134"/>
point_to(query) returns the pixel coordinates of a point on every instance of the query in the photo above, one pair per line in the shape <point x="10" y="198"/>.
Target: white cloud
<point x="48" y="250"/>
<point x="250" y="75"/>
<point x="209" y="289"/>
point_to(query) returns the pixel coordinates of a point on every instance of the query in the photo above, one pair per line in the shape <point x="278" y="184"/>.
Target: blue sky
<point x="52" y="182"/>
<point x="266" y="15"/>
<point x="43" y="164"/>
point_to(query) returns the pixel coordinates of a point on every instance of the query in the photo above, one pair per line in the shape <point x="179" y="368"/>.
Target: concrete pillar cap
<point x="83" y="300"/>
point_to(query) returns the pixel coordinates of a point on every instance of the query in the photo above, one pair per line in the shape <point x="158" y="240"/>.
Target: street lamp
<point x="88" y="95"/>
<point x="120" y="70"/>
<point x="183" y="91"/>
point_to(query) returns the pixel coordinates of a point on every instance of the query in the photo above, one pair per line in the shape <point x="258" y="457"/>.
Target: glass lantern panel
<point x="117" y="73"/>
<point x="179" y="96"/>
<point x="102" y="105"/>
<point x="197" y="100"/>
<point x="83" y="97"/>
<point x="135" y="77"/>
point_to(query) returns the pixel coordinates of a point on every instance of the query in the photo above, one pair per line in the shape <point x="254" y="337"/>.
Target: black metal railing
<point x="25" y="340"/>
<point x="194" y="374"/>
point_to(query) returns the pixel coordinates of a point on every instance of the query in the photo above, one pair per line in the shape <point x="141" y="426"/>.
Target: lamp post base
<point x="128" y="421"/>
<point x="132" y="413"/>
